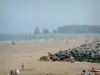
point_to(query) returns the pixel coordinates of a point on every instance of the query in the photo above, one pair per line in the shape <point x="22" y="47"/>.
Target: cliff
<point x="78" y="29"/>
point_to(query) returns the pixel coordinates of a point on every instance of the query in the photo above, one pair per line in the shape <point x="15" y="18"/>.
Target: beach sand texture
<point x="12" y="56"/>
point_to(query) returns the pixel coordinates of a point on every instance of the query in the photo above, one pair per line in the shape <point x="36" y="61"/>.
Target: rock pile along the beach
<point x="87" y="52"/>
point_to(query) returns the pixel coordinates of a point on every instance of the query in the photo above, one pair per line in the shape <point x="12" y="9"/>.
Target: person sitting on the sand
<point x="48" y="58"/>
<point x="49" y="54"/>
<point x="93" y="70"/>
<point x="83" y="72"/>
<point x="90" y="73"/>
<point x="11" y="72"/>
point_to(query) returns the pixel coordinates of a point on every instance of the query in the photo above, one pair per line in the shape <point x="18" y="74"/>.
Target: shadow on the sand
<point x="27" y="70"/>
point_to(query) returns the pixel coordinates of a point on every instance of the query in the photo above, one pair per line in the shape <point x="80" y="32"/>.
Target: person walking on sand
<point x="67" y="42"/>
<point x="22" y="66"/>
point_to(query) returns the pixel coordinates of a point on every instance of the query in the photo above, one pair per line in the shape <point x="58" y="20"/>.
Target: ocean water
<point x="40" y="37"/>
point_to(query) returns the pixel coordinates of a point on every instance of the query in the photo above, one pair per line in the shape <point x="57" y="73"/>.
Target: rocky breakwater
<point x="87" y="52"/>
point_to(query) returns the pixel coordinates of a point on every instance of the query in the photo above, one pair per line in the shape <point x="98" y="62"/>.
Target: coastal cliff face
<point x="78" y="29"/>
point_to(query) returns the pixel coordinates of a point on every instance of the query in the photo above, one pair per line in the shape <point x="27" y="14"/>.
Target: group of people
<point x="16" y="72"/>
<point x="90" y="72"/>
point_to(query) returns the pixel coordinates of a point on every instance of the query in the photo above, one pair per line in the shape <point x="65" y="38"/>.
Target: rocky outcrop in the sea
<point x="86" y="52"/>
<point x="46" y="31"/>
<point x="37" y="31"/>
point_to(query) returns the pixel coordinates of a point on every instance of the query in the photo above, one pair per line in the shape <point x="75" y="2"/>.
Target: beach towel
<point x="18" y="71"/>
<point x="89" y="73"/>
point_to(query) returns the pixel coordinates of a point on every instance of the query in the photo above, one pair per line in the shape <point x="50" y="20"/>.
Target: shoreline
<point x="44" y="40"/>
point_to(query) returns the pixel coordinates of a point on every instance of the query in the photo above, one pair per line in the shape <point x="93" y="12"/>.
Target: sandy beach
<point x="12" y="56"/>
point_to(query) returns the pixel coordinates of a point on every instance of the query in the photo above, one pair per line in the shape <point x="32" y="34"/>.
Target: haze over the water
<point x="23" y="16"/>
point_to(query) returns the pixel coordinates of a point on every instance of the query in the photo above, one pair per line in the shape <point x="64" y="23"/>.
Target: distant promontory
<point x="77" y="29"/>
<point x="71" y="29"/>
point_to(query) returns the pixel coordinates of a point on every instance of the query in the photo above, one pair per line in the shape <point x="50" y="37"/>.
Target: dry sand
<point x="12" y="56"/>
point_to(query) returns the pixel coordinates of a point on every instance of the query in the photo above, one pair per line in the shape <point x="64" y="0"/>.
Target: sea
<point x="8" y="38"/>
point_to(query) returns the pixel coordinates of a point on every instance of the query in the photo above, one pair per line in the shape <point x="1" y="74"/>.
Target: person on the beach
<point x="67" y="42"/>
<point x="49" y="54"/>
<point x="90" y="73"/>
<point x="22" y="66"/>
<point x="83" y="72"/>
<point x="11" y="72"/>
<point x="13" y="43"/>
<point x="48" y="58"/>
<point x="16" y="73"/>
<point x="93" y="70"/>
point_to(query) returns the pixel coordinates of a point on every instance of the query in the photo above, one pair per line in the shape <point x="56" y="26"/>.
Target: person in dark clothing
<point x="22" y="66"/>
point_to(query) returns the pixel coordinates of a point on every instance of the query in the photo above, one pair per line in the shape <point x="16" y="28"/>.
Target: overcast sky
<point x="23" y="16"/>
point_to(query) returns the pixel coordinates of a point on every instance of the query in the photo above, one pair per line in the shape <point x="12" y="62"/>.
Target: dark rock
<point x="37" y="31"/>
<point x="46" y="31"/>
<point x="86" y="52"/>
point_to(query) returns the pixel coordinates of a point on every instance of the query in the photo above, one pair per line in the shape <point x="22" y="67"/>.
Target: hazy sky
<point x="23" y="16"/>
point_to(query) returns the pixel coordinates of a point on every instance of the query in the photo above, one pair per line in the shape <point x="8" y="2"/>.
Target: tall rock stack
<point x="46" y="31"/>
<point x="37" y="31"/>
